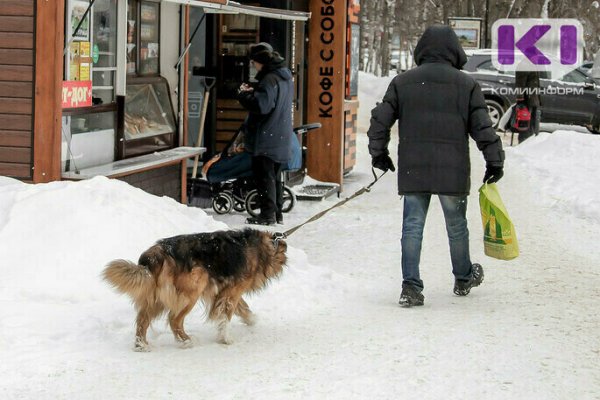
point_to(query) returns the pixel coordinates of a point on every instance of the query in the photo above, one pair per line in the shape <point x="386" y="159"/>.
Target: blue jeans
<point x="415" y="213"/>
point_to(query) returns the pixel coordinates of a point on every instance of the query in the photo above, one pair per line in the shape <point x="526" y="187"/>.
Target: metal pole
<point x="486" y="17"/>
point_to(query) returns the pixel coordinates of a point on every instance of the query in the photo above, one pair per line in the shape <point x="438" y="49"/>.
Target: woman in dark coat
<point x="269" y="131"/>
<point x="529" y="82"/>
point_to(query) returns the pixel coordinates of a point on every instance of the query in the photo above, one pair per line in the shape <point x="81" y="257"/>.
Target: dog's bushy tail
<point x="132" y="279"/>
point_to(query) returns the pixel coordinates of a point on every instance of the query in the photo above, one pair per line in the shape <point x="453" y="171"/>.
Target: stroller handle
<point x="307" y="127"/>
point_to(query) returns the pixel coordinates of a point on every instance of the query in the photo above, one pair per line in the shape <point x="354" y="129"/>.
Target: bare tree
<point x="381" y="20"/>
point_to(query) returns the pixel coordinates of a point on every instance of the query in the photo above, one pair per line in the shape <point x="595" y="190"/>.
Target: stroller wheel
<point x="289" y="199"/>
<point x="222" y="203"/>
<point x="252" y="204"/>
<point x="238" y="205"/>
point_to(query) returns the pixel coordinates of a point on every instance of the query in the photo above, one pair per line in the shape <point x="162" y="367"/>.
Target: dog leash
<point x="338" y="204"/>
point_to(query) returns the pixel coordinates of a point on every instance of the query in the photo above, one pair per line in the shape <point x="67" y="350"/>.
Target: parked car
<point x="400" y="60"/>
<point x="559" y="103"/>
<point x="587" y="66"/>
<point x="594" y="72"/>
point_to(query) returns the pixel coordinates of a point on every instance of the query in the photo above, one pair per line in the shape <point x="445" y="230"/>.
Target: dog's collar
<point x="276" y="237"/>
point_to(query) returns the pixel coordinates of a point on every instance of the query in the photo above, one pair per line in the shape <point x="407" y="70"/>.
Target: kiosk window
<point x="143" y="36"/>
<point x="89" y="121"/>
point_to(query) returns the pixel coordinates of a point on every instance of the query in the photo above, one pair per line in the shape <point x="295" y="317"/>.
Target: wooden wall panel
<point x="16" y="40"/>
<point x="164" y="181"/>
<point x="19" y="155"/>
<point x="16" y="122"/>
<point x="16" y="57"/>
<point x="16" y="73"/>
<point x="16" y="24"/>
<point x="230" y="115"/>
<point x="16" y="89"/>
<point x="10" y="105"/>
<point x="17" y="7"/>
<point x="15" y="138"/>
<point x="16" y="170"/>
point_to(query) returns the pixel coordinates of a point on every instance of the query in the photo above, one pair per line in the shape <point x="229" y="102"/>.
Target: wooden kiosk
<point x="127" y="54"/>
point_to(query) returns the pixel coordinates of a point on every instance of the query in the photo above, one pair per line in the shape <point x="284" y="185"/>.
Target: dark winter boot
<point x="279" y="217"/>
<point x="462" y="288"/>
<point x="410" y="296"/>
<point x="260" y="221"/>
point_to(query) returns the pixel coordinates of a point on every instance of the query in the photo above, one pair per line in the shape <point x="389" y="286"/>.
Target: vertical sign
<point x="354" y="59"/>
<point x="326" y="87"/>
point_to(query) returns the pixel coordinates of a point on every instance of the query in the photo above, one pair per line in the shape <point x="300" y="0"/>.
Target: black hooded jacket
<point x="269" y="130"/>
<point x="437" y="106"/>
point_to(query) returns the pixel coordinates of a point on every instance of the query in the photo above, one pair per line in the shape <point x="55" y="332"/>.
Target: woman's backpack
<point x="520" y="118"/>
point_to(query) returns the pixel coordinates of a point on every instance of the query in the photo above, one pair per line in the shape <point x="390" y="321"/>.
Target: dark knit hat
<point x="261" y="52"/>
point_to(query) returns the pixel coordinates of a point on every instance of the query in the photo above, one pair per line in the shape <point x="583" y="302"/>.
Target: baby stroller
<point x="230" y="176"/>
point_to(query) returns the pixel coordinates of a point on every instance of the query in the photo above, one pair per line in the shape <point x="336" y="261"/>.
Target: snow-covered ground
<point x="331" y="326"/>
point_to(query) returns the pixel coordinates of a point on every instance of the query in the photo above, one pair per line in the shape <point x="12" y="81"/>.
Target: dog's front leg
<point x="243" y="311"/>
<point x="224" y="336"/>
<point x="221" y="312"/>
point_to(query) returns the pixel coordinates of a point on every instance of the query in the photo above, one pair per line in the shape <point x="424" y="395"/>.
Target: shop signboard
<point x="76" y="94"/>
<point x="327" y="88"/>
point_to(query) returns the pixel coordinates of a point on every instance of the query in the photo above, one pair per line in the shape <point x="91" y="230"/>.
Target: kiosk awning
<point x="232" y="7"/>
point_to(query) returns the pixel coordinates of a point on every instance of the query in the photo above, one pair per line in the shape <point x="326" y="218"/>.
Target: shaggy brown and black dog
<point x="217" y="268"/>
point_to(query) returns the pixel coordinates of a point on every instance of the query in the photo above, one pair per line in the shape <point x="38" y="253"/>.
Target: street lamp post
<point x="486" y="16"/>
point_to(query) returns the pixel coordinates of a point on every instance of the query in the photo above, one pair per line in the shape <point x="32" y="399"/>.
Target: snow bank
<point x="565" y="167"/>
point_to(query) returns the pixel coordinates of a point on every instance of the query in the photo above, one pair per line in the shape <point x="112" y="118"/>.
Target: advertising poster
<point x="73" y="68"/>
<point x="77" y="10"/>
<point x="76" y="94"/>
<point x="85" y="58"/>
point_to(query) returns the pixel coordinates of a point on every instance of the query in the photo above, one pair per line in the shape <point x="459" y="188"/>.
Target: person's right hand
<point x="244" y="87"/>
<point x="493" y="174"/>
<point x="383" y="162"/>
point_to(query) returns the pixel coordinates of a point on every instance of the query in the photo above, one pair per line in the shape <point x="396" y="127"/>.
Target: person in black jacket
<point x="437" y="106"/>
<point x="529" y="83"/>
<point x="269" y="132"/>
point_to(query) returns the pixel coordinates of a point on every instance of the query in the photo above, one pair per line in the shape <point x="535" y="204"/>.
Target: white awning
<point x="232" y="7"/>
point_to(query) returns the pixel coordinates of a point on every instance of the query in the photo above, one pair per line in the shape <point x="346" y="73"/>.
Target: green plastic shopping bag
<point x="499" y="236"/>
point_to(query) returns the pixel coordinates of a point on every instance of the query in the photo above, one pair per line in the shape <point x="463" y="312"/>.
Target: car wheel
<point x="495" y="111"/>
